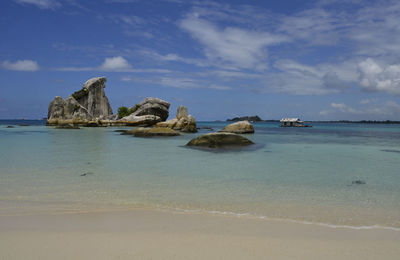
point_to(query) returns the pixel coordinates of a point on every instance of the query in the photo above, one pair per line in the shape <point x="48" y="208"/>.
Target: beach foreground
<point x="153" y="234"/>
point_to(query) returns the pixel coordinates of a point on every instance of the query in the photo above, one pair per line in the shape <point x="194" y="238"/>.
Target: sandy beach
<point x="152" y="234"/>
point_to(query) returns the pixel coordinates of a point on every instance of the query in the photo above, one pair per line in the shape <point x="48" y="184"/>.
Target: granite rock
<point x="241" y="127"/>
<point x="219" y="140"/>
<point x="152" y="106"/>
<point x="183" y="122"/>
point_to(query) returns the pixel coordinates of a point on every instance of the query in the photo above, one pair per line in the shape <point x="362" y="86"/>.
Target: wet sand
<point x="152" y="234"/>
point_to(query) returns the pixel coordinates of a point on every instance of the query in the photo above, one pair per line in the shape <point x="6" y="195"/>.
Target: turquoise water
<point x="299" y="174"/>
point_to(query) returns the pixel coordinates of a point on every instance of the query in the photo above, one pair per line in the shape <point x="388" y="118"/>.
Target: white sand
<point x="149" y="234"/>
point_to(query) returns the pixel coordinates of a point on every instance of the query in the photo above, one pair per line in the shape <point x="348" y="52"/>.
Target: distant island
<point x="246" y="118"/>
<point x="258" y="119"/>
<point x="359" y="122"/>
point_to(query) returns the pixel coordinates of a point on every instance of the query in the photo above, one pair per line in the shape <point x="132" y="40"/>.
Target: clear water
<point x="300" y="174"/>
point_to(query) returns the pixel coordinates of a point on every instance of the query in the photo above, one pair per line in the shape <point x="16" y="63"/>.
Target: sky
<point x="317" y="60"/>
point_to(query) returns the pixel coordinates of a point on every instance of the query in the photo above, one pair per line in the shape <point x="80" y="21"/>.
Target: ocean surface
<point x="330" y="174"/>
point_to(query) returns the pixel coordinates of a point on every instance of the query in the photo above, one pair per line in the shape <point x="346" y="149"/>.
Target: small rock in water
<point x="120" y="131"/>
<point x="69" y="126"/>
<point x="9" y="126"/>
<point x="391" y="151"/>
<point x="205" y="128"/>
<point x="86" y="173"/>
<point x="357" y="182"/>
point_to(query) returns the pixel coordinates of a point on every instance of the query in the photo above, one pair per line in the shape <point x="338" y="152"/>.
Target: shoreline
<point x="156" y="234"/>
<point x="111" y="208"/>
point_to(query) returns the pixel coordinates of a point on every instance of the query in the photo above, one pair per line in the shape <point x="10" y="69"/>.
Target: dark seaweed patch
<point x="390" y="151"/>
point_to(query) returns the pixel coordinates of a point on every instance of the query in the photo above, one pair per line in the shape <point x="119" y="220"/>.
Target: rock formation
<point x="152" y="106"/>
<point x="90" y="107"/>
<point x="219" y="140"/>
<point x="82" y="107"/>
<point x="241" y="127"/>
<point x="183" y="122"/>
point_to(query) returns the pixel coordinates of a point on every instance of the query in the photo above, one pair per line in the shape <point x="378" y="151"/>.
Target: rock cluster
<point x="183" y="121"/>
<point x="90" y="107"/>
<point x="241" y="127"/>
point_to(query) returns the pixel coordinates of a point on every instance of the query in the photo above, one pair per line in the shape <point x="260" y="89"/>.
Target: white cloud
<point x="219" y="87"/>
<point x="184" y="83"/>
<point x="130" y="19"/>
<point x="43" y="4"/>
<point x="375" y="77"/>
<point x="20" y="65"/>
<point x="373" y="26"/>
<point x="388" y="110"/>
<point x="231" y="46"/>
<point x="301" y="79"/>
<point x="175" y="57"/>
<point x="316" y="26"/>
<point x="365" y="101"/>
<point x="177" y="82"/>
<point x="344" y="108"/>
<point x="115" y="64"/>
<point x="340" y="108"/>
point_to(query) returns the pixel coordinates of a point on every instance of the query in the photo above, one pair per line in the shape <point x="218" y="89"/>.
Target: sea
<point x="333" y="174"/>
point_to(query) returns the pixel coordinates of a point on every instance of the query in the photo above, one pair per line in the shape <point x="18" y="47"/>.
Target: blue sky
<point x="318" y="60"/>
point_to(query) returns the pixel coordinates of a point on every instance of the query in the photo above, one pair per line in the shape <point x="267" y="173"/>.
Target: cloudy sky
<point x="318" y="60"/>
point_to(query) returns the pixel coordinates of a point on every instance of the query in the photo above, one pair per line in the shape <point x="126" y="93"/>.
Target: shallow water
<point x="301" y="174"/>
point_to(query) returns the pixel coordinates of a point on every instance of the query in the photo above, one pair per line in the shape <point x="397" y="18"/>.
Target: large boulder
<point x="152" y="106"/>
<point x="241" y="127"/>
<point x="89" y="104"/>
<point x="150" y="132"/>
<point x="183" y="122"/>
<point x="219" y="140"/>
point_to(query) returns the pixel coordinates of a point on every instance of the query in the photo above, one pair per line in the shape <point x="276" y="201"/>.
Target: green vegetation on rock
<point x="80" y="93"/>
<point x="124" y="111"/>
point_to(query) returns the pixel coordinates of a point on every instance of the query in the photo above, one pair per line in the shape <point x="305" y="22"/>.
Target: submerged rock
<point x="241" y="127"/>
<point x="9" y="126"/>
<point x="120" y="131"/>
<point x="205" y="128"/>
<point x="86" y="173"/>
<point x="67" y="127"/>
<point x="150" y="132"/>
<point x="218" y="140"/>
<point x="358" y="182"/>
<point x="390" y="151"/>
